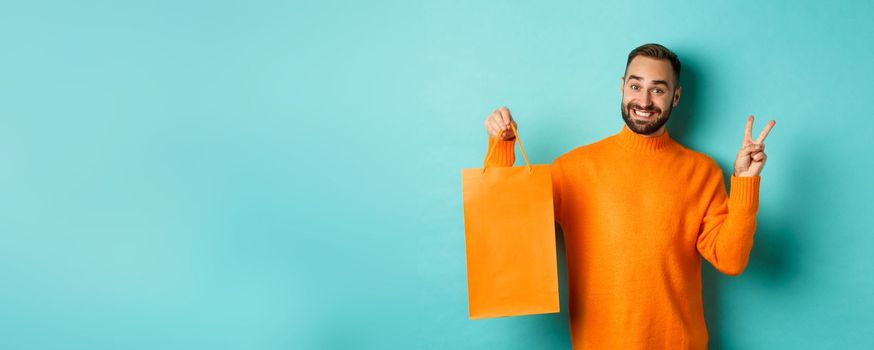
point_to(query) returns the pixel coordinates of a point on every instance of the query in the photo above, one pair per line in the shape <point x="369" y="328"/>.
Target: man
<point x="639" y="210"/>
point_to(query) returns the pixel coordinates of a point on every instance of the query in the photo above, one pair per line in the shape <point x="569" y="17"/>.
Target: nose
<point x="647" y="99"/>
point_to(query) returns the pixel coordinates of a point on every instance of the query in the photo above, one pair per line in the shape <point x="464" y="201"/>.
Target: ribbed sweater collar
<point x="639" y="143"/>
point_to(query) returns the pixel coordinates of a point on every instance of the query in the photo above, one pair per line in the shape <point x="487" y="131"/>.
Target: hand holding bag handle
<point x="492" y="148"/>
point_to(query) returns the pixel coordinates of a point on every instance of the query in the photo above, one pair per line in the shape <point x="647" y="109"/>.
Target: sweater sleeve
<point x="726" y="235"/>
<point x="504" y="152"/>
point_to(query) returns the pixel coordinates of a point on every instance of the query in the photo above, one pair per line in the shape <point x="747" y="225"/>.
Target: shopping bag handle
<point x="492" y="148"/>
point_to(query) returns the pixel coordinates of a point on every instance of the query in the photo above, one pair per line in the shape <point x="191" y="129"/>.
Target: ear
<point x="677" y="92"/>
<point x="621" y="84"/>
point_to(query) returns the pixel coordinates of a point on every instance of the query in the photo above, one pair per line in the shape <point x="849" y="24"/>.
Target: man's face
<point x="649" y="94"/>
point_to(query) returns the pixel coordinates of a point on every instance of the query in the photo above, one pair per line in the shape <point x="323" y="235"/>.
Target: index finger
<point x="748" y="131"/>
<point x="765" y="132"/>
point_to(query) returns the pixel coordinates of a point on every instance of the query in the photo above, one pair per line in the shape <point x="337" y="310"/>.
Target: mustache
<point x="631" y="106"/>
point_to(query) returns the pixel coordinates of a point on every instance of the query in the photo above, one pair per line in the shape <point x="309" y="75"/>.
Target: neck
<point x="655" y="141"/>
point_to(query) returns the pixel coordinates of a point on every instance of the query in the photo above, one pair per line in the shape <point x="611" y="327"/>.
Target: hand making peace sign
<point x="751" y="157"/>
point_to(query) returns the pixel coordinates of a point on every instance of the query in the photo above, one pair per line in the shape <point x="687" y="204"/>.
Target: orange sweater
<point x="638" y="214"/>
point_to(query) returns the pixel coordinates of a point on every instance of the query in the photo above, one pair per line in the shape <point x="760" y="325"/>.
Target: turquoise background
<point x="286" y="175"/>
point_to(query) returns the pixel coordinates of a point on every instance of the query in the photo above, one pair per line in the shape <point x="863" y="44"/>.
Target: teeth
<point x="641" y="113"/>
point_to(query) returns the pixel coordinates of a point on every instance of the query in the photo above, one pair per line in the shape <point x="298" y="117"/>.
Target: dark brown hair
<point x="658" y="52"/>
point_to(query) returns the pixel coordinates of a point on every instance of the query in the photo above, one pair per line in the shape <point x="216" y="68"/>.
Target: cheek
<point x="666" y="101"/>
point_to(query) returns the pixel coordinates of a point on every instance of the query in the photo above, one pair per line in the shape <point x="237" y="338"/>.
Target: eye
<point x="658" y="91"/>
<point x="635" y="87"/>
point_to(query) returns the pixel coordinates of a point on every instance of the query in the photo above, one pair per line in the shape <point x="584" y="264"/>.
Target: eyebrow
<point x="654" y="81"/>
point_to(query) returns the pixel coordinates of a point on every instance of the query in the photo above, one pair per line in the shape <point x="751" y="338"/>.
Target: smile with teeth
<point x="642" y="113"/>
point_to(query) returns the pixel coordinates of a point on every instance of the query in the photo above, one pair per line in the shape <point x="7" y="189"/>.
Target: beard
<point x="645" y="127"/>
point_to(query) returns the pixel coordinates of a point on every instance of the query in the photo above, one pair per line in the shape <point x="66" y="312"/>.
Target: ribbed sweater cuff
<point x="504" y="152"/>
<point x="745" y="193"/>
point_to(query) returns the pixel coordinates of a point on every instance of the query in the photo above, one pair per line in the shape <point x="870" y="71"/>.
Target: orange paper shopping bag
<point x="510" y="237"/>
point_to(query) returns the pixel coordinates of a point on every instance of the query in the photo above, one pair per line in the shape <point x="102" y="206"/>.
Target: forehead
<point x="650" y="69"/>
